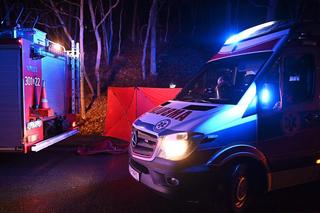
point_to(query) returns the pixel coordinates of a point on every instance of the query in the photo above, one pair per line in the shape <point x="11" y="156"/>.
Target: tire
<point x="235" y="191"/>
<point x="239" y="188"/>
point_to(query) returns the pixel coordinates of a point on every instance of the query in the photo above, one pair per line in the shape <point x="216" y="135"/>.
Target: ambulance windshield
<point x="225" y="80"/>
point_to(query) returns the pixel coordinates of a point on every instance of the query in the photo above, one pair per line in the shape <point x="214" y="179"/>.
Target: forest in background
<point x="144" y="42"/>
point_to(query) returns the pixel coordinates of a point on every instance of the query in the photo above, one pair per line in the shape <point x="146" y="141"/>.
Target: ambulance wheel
<point x="233" y="192"/>
<point x="238" y="188"/>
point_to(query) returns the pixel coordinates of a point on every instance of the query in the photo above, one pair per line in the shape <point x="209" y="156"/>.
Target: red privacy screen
<point x="125" y="104"/>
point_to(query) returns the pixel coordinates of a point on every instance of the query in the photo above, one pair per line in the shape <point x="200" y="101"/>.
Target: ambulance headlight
<point x="175" y="146"/>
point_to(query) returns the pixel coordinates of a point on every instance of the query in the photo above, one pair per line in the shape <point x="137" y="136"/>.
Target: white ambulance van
<point x="248" y="123"/>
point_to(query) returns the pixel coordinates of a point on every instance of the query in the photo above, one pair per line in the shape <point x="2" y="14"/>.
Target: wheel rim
<point x="241" y="192"/>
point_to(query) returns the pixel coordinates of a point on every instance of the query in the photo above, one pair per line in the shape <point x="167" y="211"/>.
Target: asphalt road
<point x="59" y="180"/>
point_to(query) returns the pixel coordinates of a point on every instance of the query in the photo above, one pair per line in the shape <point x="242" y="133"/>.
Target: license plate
<point x="134" y="173"/>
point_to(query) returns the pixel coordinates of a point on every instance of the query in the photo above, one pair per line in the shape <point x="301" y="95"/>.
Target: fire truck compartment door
<point x="54" y="74"/>
<point x="11" y="127"/>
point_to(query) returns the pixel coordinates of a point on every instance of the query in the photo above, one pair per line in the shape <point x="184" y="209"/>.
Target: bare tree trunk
<point x="105" y="36"/>
<point x="98" y="40"/>
<point x="111" y="32"/>
<point x="134" y="20"/>
<point x="272" y="10"/>
<point x="167" y="23"/>
<point x="153" y="42"/>
<point x="138" y="23"/>
<point x="145" y="45"/>
<point x="106" y="43"/>
<point x="83" y="74"/>
<point x="120" y="32"/>
<point x="82" y="65"/>
<point x="70" y="20"/>
<point x="144" y="53"/>
<point x="141" y="33"/>
<point x="76" y="27"/>
<point x="26" y="18"/>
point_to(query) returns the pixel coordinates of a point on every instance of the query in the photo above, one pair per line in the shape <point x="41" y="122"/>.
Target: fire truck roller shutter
<point x="54" y="74"/>
<point x="11" y="128"/>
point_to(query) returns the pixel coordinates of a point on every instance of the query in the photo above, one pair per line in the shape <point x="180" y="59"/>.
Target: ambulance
<point x="248" y="123"/>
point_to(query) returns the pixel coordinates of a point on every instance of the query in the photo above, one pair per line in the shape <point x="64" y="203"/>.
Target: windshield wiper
<point x="203" y="101"/>
<point x="197" y="100"/>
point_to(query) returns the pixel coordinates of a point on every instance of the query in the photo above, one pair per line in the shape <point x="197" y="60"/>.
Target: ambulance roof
<point x="258" y="30"/>
<point x="261" y="38"/>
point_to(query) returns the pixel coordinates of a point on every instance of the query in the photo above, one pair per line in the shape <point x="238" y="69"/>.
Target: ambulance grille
<point x="143" y="144"/>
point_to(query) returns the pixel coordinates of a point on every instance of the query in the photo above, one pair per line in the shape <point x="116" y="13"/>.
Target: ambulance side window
<point x="298" y="78"/>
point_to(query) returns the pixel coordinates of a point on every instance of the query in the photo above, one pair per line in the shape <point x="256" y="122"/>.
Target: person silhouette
<point x="223" y="88"/>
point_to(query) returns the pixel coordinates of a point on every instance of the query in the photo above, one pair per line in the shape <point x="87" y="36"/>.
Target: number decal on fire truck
<point x="30" y="81"/>
<point x="37" y="82"/>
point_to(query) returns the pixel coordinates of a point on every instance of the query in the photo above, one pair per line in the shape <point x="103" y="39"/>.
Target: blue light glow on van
<point x="249" y="95"/>
<point x="230" y="115"/>
<point x="265" y="96"/>
<point x="247" y="33"/>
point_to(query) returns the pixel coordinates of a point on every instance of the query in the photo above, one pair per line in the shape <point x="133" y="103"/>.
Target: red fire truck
<point x="39" y="90"/>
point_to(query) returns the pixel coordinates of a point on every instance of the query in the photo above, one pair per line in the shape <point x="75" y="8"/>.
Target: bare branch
<point x="72" y="3"/>
<point x="50" y="26"/>
<point x="61" y="20"/>
<point x="53" y="7"/>
<point x="35" y="21"/>
<point x="93" y="17"/>
<point x="120" y="31"/>
<point x="106" y="15"/>
<point x="25" y="18"/>
<point x="67" y="14"/>
<point x="45" y="4"/>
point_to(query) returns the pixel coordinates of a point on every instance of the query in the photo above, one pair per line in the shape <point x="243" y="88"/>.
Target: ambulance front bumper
<point x="174" y="180"/>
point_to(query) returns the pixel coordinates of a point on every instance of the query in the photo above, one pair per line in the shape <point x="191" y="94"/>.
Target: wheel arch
<point x="246" y="154"/>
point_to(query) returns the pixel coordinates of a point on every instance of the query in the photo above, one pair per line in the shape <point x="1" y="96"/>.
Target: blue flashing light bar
<point x="248" y="33"/>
